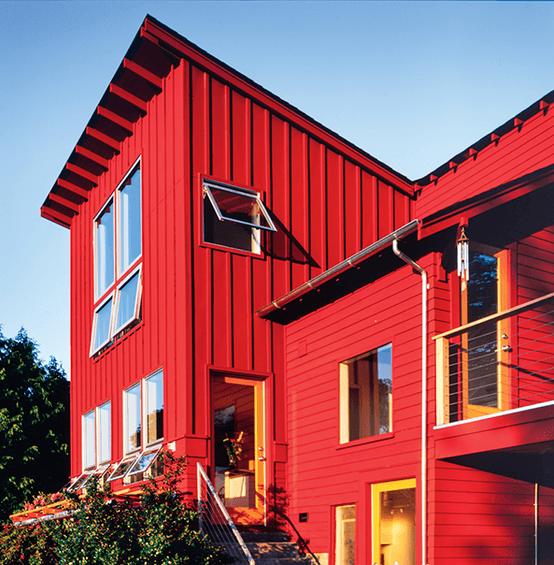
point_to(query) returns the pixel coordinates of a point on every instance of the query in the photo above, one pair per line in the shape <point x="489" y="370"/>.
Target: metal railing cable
<point x="474" y="360"/>
<point x="215" y="522"/>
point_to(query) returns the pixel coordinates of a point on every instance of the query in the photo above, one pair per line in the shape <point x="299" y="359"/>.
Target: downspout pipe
<point x="424" y="287"/>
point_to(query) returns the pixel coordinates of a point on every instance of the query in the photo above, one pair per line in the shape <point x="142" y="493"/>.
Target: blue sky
<point x="412" y="83"/>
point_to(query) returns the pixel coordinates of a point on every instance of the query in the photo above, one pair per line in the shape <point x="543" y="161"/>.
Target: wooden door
<point x="238" y="446"/>
<point x="485" y="347"/>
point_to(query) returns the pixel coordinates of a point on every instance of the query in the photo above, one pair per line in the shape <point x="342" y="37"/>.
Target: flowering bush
<point x="158" y="529"/>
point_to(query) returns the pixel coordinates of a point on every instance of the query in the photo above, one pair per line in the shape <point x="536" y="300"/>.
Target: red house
<point x="379" y="350"/>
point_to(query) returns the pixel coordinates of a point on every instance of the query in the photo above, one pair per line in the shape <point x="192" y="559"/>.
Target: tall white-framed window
<point x="154" y="408"/>
<point x="89" y="440"/>
<point x="97" y="436"/>
<point x="143" y="430"/>
<point x="117" y="244"/>
<point x="133" y="417"/>
<point x="105" y="433"/>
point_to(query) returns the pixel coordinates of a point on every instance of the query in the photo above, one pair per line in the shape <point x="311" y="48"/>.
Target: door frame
<point x="257" y="514"/>
<point x="502" y="329"/>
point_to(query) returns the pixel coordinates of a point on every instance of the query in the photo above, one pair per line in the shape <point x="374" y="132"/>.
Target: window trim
<point x="255" y="249"/>
<point x="109" y="339"/>
<point x="120" y="278"/>
<point x="376" y="490"/>
<point x="144" y="445"/>
<point x="88" y="468"/>
<point x="117" y="300"/>
<point x="344" y="400"/>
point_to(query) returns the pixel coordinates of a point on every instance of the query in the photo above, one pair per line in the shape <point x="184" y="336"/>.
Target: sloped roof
<point x="155" y="50"/>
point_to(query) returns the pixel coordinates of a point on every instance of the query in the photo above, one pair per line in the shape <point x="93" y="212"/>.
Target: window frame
<point x="120" y="276"/>
<point x="136" y="454"/>
<point x="376" y="490"/>
<point x="255" y="248"/>
<point x="345" y="399"/>
<point x="338" y="541"/>
<point x="96" y="437"/>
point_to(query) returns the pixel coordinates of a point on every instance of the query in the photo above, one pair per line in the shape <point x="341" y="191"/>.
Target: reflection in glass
<point x="482" y="301"/>
<point x="127" y="302"/>
<point x="104" y="226"/>
<point x="130" y="246"/>
<point x="89" y="429"/>
<point x="104" y="432"/>
<point x="345" y="535"/>
<point x="154" y="408"/>
<point x="132" y="418"/>
<point x="103" y="322"/>
<point x="366" y="394"/>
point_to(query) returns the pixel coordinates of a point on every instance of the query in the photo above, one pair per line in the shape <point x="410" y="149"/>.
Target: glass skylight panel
<point x="127" y="302"/>
<point x="243" y="207"/>
<point x="104" y="226"/>
<point x="130" y="246"/>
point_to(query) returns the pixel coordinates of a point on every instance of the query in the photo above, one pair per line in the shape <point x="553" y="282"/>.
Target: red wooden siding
<point x="522" y="150"/>
<point x="199" y="301"/>
<point x="321" y="472"/>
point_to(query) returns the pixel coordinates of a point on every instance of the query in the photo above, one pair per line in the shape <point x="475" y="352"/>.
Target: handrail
<point x="302" y="543"/>
<point x="201" y="474"/>
<point x="497" y="317"/>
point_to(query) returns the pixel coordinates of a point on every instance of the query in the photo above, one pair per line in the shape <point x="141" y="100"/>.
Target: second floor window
<point x="366" y="395"/>
<point x="117" y="261"/>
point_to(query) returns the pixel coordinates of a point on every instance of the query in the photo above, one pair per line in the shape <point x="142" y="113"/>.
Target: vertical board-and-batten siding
<point x="199" y="302"/>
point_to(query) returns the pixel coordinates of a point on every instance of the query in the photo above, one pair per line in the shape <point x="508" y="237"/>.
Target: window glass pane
<point x="104" y="226"/>
<point x="397" y="527"/>
<point x="89" y="429"/>
<point x="154" y="407"/>
<point x="102" y="321"/>
<point x="366" y="395"/>
<point x="345" y="535"/>
<point x="129" y="222"/>
<point x="132" y="418"/>
<point x="104" y="432"/>
<point x="229" y="234"/>
<point x="384" y="374"/>
<point x="127" y="302"/>
<point x="238" y="206"/>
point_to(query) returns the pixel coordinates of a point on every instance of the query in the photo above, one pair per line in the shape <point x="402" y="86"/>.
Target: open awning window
<point x="240" y="206"/>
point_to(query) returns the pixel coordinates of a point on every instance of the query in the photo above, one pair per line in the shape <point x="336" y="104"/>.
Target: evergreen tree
<point x="34" y="423"/>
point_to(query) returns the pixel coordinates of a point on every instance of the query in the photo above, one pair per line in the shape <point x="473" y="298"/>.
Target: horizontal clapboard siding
<point x="321" y="472"/>
<point x="520" y="151"/>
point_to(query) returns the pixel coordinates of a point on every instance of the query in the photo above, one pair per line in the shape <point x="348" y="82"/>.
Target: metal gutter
<point x="338" y="269"/>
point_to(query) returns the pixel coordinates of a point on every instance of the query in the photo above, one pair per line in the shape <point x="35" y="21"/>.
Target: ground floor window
<point x="345" y="535"/>
<point x="394" y="523"/>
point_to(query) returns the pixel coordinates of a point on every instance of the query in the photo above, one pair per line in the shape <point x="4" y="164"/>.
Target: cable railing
<point x="215" y="522"/>
<point x="499" y="363"/>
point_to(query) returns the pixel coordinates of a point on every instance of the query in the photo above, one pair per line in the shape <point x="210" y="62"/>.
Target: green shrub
<point x="158" y="529"/>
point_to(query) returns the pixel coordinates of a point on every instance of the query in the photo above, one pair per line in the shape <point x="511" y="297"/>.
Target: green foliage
<point x="34" y="423"/>
<point x="157" y="529"/>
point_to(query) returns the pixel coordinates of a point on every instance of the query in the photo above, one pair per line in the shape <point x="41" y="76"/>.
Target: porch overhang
<point x="517" y="444"/>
